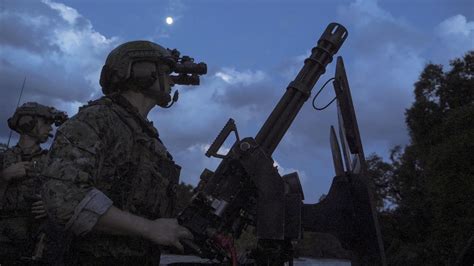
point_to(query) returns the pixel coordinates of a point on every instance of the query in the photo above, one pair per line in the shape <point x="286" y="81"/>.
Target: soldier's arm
<point x="15" y="172"/>
<point x="72" y="200"/>
<point x="68" y="192"/>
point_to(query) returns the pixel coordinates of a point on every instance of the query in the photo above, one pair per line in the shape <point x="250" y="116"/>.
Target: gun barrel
<point x="299" y="90"/>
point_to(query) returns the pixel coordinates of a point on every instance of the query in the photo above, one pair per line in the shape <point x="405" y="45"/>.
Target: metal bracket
<point x="221" y="138"/>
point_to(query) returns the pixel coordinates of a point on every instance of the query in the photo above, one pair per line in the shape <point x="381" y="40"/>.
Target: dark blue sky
<point x="253" y="50"/>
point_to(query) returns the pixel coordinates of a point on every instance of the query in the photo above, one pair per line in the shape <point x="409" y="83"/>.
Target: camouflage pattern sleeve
<point x="74" y="159"/>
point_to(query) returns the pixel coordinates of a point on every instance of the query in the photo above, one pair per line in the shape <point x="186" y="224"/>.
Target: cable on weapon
<point x="227" y="243"/>
<point x="317" y="94"/>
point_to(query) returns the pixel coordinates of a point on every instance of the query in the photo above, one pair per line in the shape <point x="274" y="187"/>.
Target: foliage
<point x="381" y="173"/>
<point x="430" y="182"/>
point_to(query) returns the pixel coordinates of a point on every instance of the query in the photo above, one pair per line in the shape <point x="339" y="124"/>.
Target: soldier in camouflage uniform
<point x="110" y="180"/>
<point x="21" y="211"/>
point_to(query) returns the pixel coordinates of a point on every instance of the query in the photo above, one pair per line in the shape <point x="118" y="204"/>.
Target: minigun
<point x="246" y="188"/>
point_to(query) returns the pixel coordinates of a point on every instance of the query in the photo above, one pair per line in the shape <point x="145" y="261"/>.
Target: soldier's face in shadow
<point x="144" y="69"/>
<point x="43" y="130"/>
<point x="164" y="72"/>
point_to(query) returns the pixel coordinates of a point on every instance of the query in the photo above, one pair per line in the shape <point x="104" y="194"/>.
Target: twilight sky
<point x="253" y="49"/>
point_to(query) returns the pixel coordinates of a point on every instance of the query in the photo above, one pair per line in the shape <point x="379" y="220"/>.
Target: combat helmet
<point x="117" y="72"/>
<point x="118" y="65"/>
<point x="25" y="117"/>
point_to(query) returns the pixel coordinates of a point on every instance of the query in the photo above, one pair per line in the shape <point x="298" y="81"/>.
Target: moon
<point x="169" y="20"/>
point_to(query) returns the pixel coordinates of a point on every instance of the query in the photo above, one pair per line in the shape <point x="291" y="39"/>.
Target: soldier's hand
<point x="38" y="210"/>
<point x="168" y="232"/>
<point x="16" y="171"/>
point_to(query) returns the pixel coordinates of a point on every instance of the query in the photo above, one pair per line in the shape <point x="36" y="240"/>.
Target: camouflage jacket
<point x="108" y="154"/>
<point x="18" y="228"/>
<point x="18" y="195"/>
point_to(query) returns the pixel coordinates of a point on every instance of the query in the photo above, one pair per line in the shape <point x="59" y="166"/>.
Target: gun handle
<point x="223" y="135"/>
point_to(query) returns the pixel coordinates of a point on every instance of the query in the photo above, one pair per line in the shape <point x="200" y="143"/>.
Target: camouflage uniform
<point x="108" y="154"/>
<point x="19" y="230"/>
<point x="18" y="227"/>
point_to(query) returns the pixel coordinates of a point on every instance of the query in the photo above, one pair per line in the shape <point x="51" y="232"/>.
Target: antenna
<point x="17" y="104"/>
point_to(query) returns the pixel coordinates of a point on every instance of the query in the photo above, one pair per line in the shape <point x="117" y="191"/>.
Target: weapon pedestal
<point x="346" y="213"/>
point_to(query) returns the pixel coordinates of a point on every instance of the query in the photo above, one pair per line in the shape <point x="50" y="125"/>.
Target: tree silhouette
<point x="431" y="181"/>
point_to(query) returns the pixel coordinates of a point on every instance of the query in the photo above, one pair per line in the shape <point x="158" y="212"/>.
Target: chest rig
<point x="144" y="182"/>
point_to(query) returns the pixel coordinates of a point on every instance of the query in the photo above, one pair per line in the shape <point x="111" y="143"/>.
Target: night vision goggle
<point x="33" y="109"/>
<point x="188" y="71"/>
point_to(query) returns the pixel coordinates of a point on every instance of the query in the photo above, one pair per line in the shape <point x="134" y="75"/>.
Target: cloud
<point x="67" y="13"/>
<point x="454" y="37"/>
<point x="252" y="89"/>
<point x="58" y="51"/>
<point x="456" y="25"/>
<point x="25" y="32"/>
<point x="231" y="76"/>
<point x="388" y="55"/>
